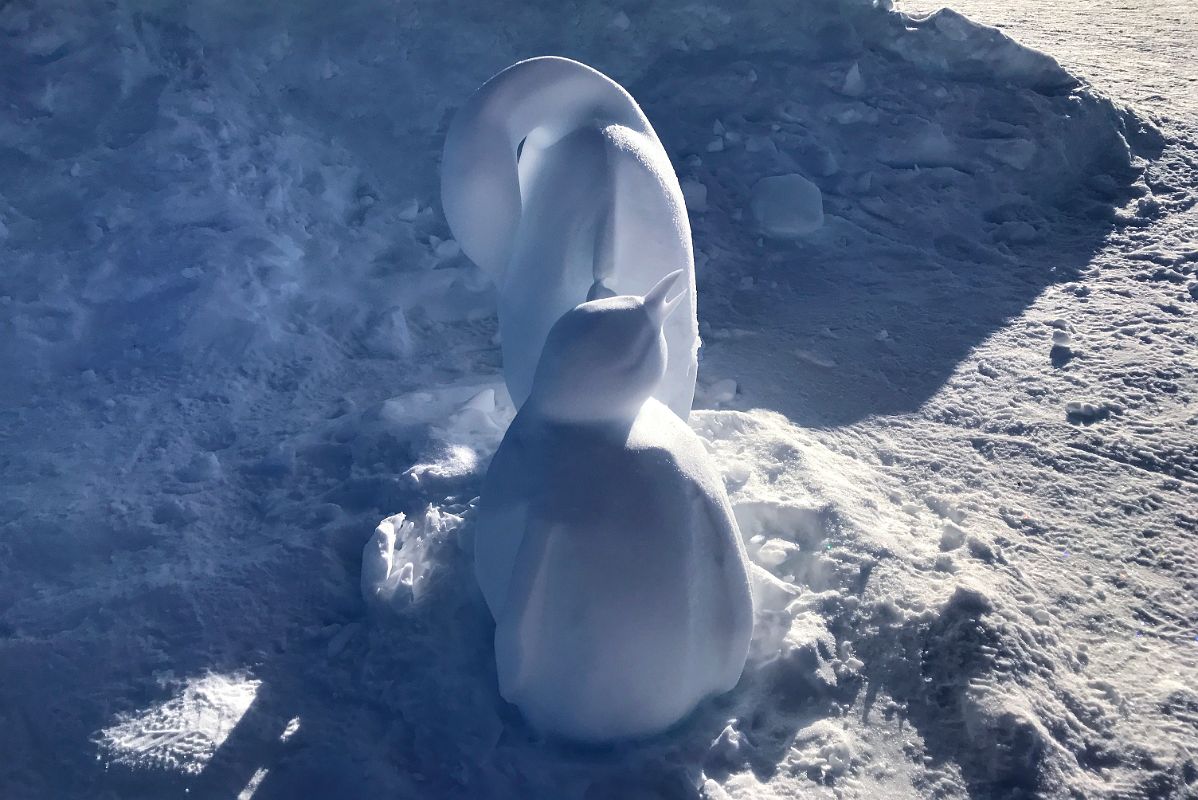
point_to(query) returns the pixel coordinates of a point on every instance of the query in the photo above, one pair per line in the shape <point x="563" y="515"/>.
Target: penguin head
<point x="604" y="358"/>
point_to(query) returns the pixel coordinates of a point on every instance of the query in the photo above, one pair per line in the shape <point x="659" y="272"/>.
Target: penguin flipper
<point x="731" y="598"/>
<point x="523" y="612"/>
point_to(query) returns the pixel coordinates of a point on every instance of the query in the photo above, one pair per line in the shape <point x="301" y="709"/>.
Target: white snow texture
<point x="955" y="422"/>
<point x="606" y="547"/>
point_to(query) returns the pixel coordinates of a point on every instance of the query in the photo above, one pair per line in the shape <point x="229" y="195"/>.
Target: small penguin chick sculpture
<point x="606" y="547"/>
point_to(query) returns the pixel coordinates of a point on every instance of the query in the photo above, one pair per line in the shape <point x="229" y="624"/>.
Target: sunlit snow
<point x="183" y="732"/>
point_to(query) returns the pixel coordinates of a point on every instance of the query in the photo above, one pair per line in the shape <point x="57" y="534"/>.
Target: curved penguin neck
<point x="556" y="95"/>
<point x="613" y="426"/>
<point x="547" y="96"/>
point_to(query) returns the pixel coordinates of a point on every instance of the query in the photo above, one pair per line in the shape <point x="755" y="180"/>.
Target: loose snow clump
<point x="401" y="557"/>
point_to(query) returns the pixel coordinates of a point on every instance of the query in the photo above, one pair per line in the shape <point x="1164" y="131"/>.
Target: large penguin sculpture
<point x="554" y="182"/>
<point x="606" y="547"/>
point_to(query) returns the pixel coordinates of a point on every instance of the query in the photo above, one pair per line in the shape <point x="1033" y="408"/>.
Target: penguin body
<point x="606" y="547"/>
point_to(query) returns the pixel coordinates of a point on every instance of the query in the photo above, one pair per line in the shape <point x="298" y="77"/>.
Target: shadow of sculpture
<point x="948" y="209"/>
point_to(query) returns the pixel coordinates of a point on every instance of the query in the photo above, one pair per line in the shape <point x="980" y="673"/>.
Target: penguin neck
<point x="612" y="418"/>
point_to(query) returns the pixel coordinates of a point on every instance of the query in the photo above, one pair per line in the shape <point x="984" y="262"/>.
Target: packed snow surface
<point x="955" y="423"/>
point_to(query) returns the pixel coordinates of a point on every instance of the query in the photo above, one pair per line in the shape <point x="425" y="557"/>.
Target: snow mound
<point x="950" y="43"/>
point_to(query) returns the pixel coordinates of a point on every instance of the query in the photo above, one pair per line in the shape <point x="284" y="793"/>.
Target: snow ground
<point x="235" y="337"/>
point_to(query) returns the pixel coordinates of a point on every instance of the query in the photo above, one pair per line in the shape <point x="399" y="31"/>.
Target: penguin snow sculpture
<point x="554" y="182"/>
<point x="606" y="547"/>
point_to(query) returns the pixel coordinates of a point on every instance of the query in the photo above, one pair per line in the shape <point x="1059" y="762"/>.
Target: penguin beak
<point x="655" y="299"/>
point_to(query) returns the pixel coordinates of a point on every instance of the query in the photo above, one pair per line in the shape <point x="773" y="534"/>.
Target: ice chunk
<point x="202" y="467"/>
<point x="728" y="750"/>
<point x="760" y="144"/>
<point x="1015" y="153"/>
<point x="787" y="206"/>
<point x="387" y="334"/>
<point x="695" y="194"/>
<point x="853" y="85"/>
<point x="410" y="211"/>
<point x="951" y="536"/>
<point x="775" y="551"/>
<point x="950" y="43"/>
<point x="824" y="750"/>
<point x="1017" y="232"/>
<point x="447" y="250"/>
<point x="403" y="554"/>
<point x="1084" y="411"/>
